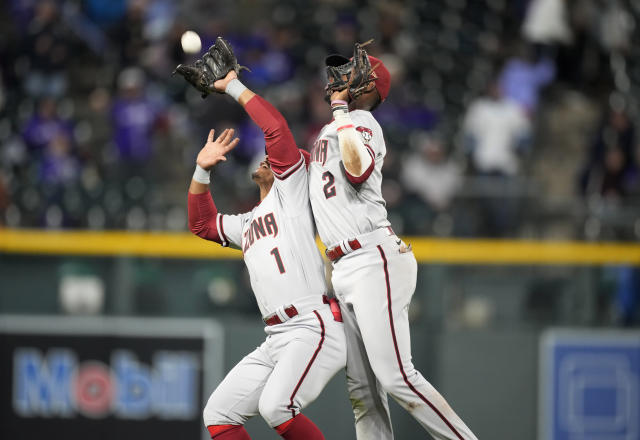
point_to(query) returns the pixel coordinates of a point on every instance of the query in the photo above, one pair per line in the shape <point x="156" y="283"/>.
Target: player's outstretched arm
<point x="217" y="71"/>
<point x="211" y="154"/>
<point x="280" y="144"/>
<point x="202" y="210"/>
<point x="358" y="160"/>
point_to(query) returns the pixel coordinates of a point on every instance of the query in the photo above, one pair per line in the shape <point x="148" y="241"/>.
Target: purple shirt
<point x="133" y="121"/>
<point x="39" y="132"/>
<point x="58" y="170"/>
<point x="521" y="81"/>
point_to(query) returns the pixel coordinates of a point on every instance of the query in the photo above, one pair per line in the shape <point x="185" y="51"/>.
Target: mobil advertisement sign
<point x="112" y="378"/>
<point x="55" y="384"/>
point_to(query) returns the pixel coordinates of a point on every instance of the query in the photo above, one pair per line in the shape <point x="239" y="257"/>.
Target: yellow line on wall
<point x="427" y="250"/>
<point x="523" y="252"/>
<point x="111" y="243"/>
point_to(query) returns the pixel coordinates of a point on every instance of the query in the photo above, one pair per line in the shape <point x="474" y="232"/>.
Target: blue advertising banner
<point x="589" y="385"/>
<point x="106" y="378"/>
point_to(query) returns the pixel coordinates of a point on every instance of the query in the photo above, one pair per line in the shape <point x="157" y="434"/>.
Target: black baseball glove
<point x="214" y="65"/>
<point x="357" y="71"/>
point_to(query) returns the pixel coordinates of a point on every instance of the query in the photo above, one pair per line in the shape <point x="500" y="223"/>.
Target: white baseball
<point x="190" y="42"/>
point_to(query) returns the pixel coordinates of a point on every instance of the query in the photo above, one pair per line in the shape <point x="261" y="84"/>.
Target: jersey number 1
<point x="329" y="188"/>
<point x="276" y="255"/>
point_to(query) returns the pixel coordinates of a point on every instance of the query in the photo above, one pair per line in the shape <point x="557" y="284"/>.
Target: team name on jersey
<point x="319" y="151"/>
<point x="260" y="227"/>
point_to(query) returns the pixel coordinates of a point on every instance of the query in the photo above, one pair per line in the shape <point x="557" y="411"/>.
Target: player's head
<point x="263" y="176"/>
<point x="377" y="90"/>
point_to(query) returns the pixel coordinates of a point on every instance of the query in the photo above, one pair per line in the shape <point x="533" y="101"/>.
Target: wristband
<point x="340" y="111"/>
<point x="342" y="118"/>
<point x="201" y="175"/>
<point x="235" y="88"/>
<point x="341" y="114"/>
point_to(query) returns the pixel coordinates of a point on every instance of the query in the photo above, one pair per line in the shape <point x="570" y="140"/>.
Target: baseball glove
<point x="358" y="71"/>
<point x="335" y="75"/>
<point x="214" y="65"/>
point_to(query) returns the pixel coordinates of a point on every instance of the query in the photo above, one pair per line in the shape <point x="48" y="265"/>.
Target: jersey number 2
<point x="276" y="255"/>
<point x="329" y="189"/>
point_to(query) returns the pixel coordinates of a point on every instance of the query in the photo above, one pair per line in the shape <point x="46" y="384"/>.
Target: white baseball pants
<point x="375" y="285"/>
<point x="284" y="374"/>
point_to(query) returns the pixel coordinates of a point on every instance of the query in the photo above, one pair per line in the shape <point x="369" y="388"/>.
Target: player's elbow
<point x="357" y="172"/>
<point x="353" y="165"/>
<point x="199" y="228"/>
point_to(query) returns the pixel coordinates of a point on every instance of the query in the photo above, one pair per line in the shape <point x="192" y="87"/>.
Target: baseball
<point x="190" y="42"/>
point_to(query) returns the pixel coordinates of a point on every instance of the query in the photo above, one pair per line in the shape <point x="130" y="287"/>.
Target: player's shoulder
<point x="364" y="117"/>
<point x="242" y="217"/>
<point x="300" y="168"/>
<point x="368" y="127"/>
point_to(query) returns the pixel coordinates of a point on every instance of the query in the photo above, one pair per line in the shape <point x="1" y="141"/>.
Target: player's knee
<point x="359" y="389"/>
<point x="396" y="380"/>
<point x="365" y="396"/>
<point x="273" y="411"/>
<point x="359" y="406"/>
<point x="214" y="414"/>
<point x="390" y="381"/>
<point x="208" y="414"/>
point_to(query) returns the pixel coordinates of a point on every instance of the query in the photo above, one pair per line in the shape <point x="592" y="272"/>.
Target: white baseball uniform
<point x="374" y="282"/>
<point x="303" y="352"/>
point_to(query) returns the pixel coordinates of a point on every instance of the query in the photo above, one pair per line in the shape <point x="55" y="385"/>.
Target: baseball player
<point x="374" y="272"/>
<point x="305" y="344"/>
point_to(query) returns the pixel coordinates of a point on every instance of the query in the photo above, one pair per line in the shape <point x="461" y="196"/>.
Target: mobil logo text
<point x="56" y="384"/>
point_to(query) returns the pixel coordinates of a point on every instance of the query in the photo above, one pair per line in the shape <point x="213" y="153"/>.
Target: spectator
<point x="430" y="174"/>
<point x="616" y="26"/>
<point x="129" y="34"/>
<point x="59" y="173"/>
<point x="431" y="180"/>
<point x="48" y="48"/>
<point x="135" y="119"/>
<point x="546" y="22"/>
<point x="44" y="126"/>
<point x="611" y="166"/>
<point x="494" y="130"/>
<point x="523" y="77"/>
<point x="59" y="166"/>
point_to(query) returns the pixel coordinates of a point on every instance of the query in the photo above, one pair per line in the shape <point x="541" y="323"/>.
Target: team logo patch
<point x="366" y="133"/>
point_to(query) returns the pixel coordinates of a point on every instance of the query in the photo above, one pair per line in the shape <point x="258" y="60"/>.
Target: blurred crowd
<point x="507" y="118"/>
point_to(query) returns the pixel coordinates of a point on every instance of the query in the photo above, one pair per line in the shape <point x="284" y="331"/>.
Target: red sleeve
<point x="202" y="217"/>
<point x="281" y="147"/>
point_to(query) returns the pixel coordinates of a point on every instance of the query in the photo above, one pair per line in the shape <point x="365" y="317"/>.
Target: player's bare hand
<point x="221" y="84"/>
<point x="214" y="150"/>
<point x="342" y="95"/>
